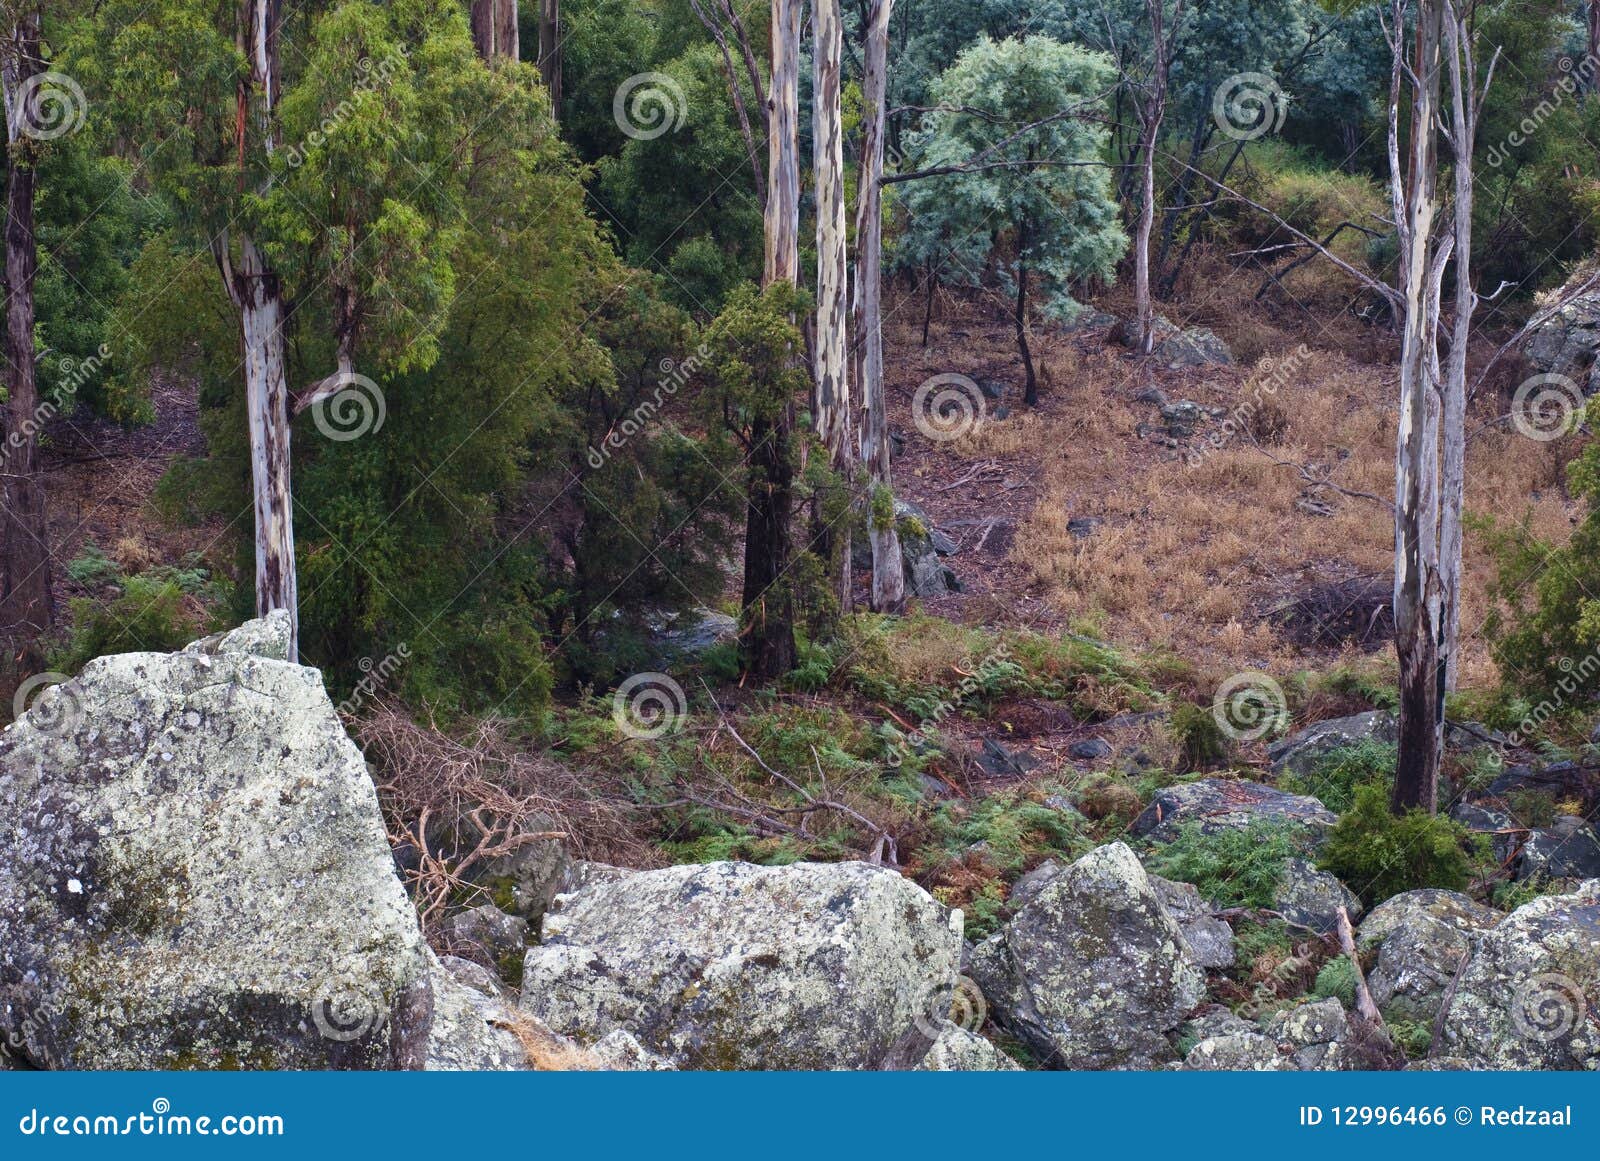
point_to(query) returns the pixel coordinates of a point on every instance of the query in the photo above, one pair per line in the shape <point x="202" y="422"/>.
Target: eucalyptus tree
<point x="1009" y="178"/>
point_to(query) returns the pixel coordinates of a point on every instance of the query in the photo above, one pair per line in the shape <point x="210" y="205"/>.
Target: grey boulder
<point x="1421" y="939"/>
<point x="737" y="966"/>
<point x="1092" y="972"/>
<point x="1312" y="898"/>
<point x="197" y="875"/>
<point x="1302" y="751"/>
<point x="1528" y="997"/>
<point x="1224" y="803"/>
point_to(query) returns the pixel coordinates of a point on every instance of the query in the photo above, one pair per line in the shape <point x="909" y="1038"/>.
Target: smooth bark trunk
<point x="831" y="404"/>
<point x="782" y="219"/>
<point x="550" y="51"/>
<point x="888" y="569"/>
<point x="494" y="28"/>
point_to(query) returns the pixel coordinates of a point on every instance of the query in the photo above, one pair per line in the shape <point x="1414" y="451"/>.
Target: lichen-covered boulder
<point x="1303" y="750"/>
<point x="1315" y="1035"/>
<point x="958" y="1049"/>
<point x="736" y="966"/>
<point x="1530" y="994"/>
<point x="1421" y="939"/>
<point x="1210" y="939"/>
<point x="1567" y="849"/>
<point x="195" y="873"/>
<point x="1566" y="342"/>
<point x="489" y="935"/>
<point x="471" y="1029"/>
<point x="1312" y="898"/>
<point x="1237" y="1052"/>
<point x="1215" y="804"/>
<point x="1093" y="972"/>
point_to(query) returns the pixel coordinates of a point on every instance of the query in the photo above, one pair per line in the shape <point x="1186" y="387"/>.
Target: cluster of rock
<point x="197" y="876"/>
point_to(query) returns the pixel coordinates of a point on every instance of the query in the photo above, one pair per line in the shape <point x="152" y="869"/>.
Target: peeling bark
<point x="781" y="224"/>
<point x="888" y="569"/>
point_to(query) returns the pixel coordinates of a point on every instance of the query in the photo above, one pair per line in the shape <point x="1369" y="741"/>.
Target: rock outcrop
<point x="736" y="966"/>
<point x="196" y="874"/>
<point x="1530" y="994"/>
<point x="1421" y="939"/>
<point x="1216" y="804"/>
<point x="1092" y="972"/>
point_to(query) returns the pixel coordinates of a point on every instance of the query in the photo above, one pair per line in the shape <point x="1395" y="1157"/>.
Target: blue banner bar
<point x="799" y="1116"/>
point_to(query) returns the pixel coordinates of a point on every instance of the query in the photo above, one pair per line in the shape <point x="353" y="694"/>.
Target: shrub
<point x="1380" y="854"/>
<point x="149" y="616"/>
<point x="1336" y="775"/>
<point x="1232" y="868"/>
<point x="1199" y="736"/>
<point x="1337" y="980"/>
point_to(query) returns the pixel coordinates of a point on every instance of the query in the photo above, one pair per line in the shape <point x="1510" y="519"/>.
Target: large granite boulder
<point x="1420" y="940"/>
<point x="1567" y="849"/>
<point x="1565" y="344"/>
<point x="196" y="874"/>
<point x="736" y="966"/>
<point x="1225" y="803"/>
<point x="1092" y="972"/>
<point x="1530" y="995"/>
<point x="1311" y="898"/>
<point x="1302" y="751"/>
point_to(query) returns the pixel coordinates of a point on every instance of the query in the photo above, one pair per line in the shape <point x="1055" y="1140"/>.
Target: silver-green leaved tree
<point x="1010" y="184"/>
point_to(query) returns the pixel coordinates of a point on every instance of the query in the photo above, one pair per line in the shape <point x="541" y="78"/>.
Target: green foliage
<point x="1232" y="867"/>
<point x="1058" y="223"/>
<point x="93" y="568"/>
<point x="1012" y="829"/>
<point x="1337" y="981"/>
<point x="148" y="616"/>
<point x="1335" y="776"/>
<point x="1378" y="854"/>
<point x="1201" y="741"/>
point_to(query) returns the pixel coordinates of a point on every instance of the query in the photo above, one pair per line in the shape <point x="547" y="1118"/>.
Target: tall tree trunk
<point x="1030" y="388"/>
<point x="830" y="397"/>
<point x="782" y="218"/>
<point x="258" y="296"/>
<point x="767" y="645"/>
<point x="494" y="28"/>
<point x="831" y="391"/>
<point x="1418" y="596"/>
<point x="26" y="607"/>
<point x="1152" y="110"/>
<point x="549" y="49"/>
<point x="888" y="569"/>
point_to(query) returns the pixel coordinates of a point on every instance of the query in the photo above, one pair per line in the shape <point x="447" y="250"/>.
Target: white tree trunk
<point x="1153" y="109"/>
<point x="831" y="392"/>
<point x="888" y="569"/>
<point x="1418" y="584"/>
<point x="782" y="219"/>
